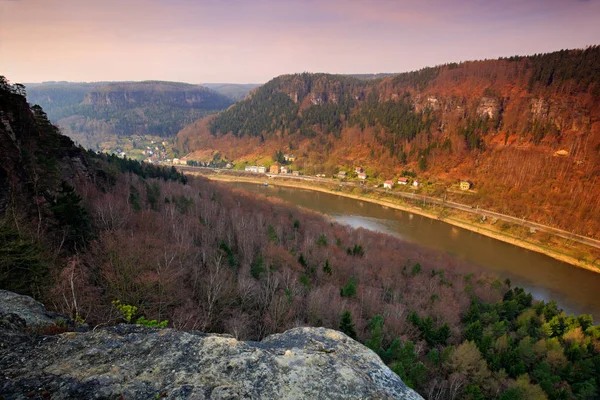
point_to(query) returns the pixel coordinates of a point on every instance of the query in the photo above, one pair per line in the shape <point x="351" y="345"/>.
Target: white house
<point x="388" y="184"/>
<point x="362" y="176"/>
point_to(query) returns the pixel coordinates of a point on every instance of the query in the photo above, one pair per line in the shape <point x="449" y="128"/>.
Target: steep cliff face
<point x="142" y="363"/>
<point x="143" y="93"/>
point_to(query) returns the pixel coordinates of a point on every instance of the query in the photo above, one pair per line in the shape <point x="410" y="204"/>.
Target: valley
<point x="540" y="275"/>
<point x="105" y="239"/>
<point x="300" y="200"/>
<point x="576" y="250"/>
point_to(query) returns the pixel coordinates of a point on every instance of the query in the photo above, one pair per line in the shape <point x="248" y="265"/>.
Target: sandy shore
<point x="554" y="253"/>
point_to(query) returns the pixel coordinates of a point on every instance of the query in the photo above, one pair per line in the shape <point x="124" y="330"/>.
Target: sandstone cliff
<point x="133" y="362"/>
<point x="175" y="94"/>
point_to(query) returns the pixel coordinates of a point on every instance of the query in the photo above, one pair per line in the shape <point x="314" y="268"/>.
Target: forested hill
<point x="475" y="120"/>
<point x="92" y="113"/>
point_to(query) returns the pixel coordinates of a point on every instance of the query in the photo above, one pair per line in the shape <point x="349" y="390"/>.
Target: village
<point x="408" y="179"/>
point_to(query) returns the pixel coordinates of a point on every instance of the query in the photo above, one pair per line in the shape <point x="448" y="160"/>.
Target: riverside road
<point x="411" y="196"/>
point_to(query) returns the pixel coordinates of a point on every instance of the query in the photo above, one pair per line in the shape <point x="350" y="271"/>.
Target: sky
<point x="252" y="41"/>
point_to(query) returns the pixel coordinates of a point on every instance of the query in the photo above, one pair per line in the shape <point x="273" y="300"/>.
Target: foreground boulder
<point x="18" y="312"/>
<point x="134" y="362"/>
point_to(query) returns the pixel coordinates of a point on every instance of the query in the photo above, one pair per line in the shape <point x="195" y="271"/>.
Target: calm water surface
<point x="576" y="290"/>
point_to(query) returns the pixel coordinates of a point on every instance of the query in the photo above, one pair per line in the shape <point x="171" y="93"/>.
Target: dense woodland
<point x="102" y="240"/>
<point x="474" y="120"/>
<point x="269" y="110"/>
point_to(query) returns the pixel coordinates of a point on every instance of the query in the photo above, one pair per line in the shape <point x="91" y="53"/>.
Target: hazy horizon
<point x="253" y="41"/>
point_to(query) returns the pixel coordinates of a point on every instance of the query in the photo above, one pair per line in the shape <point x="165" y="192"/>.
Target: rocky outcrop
<point x="539" y="108"/>
<point x="18" y="312"/>
<point x="173" y="94"/>
<point x="134" y="362"/>
<point x="488" y="107"/>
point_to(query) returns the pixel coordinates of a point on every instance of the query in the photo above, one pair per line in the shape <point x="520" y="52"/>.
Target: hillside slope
<point x="524" y="130"/>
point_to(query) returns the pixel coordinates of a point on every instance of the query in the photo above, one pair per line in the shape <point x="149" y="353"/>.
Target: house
<point x="274" y="169"/>
<point x="296" y="173"/>
<point x="252" y="168"/>
<point x="285" y="170"/>
<point x="561" y="153"/>
<point x="465" y="185"/>
<point x="416" y="183"/>
<point x="342" y="174"/>
<point x="289" y="157"/>
<point x="229" y="165"/>
<point x="362" y="175"/>
<point x="403" y="181"/>
<point x="262" y="170"/>
<point x="388" y="184"/>
<point x="358" y="170"/>
<point x="176" y="161"/>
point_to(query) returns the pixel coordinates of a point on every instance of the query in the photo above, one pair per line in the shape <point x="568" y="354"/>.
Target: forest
<point x="105" y="240"/>
<point x="270" y="110"/>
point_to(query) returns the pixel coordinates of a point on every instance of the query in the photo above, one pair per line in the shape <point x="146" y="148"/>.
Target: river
<point x="574" y="289"/>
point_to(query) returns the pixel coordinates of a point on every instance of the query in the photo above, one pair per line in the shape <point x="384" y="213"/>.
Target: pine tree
<point x="376" y="339"/>
<point x="327" y="267"/>
<point x="346" y="324"/>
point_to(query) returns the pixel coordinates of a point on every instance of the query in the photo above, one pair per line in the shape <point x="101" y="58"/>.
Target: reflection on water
<point x="575" y="289"/>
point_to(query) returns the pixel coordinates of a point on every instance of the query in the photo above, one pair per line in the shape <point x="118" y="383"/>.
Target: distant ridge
<point x="92" y="113"/>
<point x="234" y="91"/>
<point x="380" y="75"/>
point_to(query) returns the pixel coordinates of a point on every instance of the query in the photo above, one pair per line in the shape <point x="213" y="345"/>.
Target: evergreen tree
<point x="72" y="216"/>
<point x="327" y="267"/>
<point x="347" y="325"/>
<point x="376" y="339"/>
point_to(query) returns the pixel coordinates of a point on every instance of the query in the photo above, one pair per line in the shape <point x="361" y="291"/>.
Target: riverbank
<point x="574" y="254"/>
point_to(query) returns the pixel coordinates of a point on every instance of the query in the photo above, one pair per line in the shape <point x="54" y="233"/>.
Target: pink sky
<point x="252" y="41"/>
